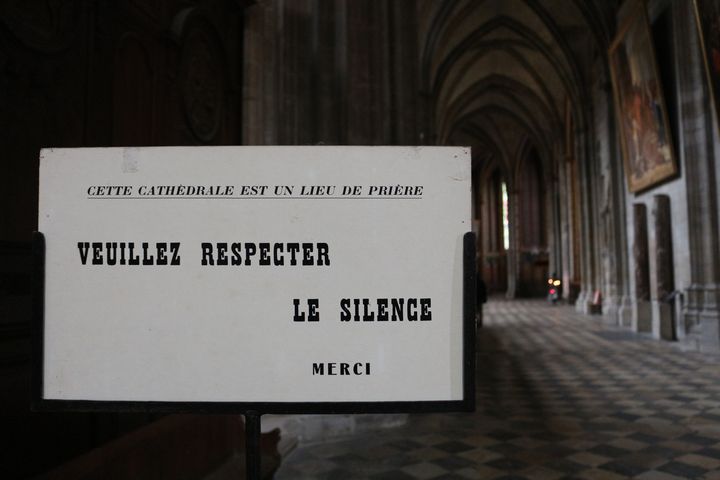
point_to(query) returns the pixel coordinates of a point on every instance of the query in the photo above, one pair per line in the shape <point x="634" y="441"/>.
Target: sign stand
<point x="252" y="411"/>
<point x="252" y="445"/>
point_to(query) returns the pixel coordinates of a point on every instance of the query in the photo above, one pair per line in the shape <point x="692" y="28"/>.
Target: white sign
<point x="254" y="274"/>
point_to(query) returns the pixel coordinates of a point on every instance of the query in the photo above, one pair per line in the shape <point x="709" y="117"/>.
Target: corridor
<point x="560" y="396"/>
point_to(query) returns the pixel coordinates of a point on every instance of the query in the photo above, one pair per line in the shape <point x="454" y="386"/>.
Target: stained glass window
<point x="505" y="216"/>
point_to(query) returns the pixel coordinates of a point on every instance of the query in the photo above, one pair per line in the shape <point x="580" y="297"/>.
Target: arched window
<point x="495" y="229"/>
<point x="505" y="212"/>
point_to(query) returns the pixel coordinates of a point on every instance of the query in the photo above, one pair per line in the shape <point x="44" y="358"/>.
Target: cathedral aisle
<point x="560" y="396"/>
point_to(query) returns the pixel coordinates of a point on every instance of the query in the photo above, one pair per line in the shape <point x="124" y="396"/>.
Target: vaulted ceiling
<point x="499" y="72"/>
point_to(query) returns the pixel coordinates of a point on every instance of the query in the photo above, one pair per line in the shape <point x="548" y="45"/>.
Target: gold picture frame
<point x="643" y="125"/>
<point x="707" y="15"/>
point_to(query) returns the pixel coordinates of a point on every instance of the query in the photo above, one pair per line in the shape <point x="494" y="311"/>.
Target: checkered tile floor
<point x="560" y="396"/>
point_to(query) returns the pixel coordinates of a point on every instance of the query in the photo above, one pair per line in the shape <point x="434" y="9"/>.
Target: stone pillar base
<point x="618" y="308"/>
<point x="625" y="312"/>
<point x="701" y="317"/>
<point x="710" y="333"/>
<point x="662" y="320"/>
<point x="642" y="316"/>
<point x="581" y="302"/>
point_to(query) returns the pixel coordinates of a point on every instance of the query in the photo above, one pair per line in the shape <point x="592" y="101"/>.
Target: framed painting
<point x="707" y="13"/>
<point x="642" y="115"/>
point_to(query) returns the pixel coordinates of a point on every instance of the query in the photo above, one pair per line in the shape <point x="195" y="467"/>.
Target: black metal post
<point x="38" y="312"/>
<point x="470" y="328"/>
<point x="252" y="445"/>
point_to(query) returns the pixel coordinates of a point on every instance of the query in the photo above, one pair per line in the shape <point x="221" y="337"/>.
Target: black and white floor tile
<point x="560" y="396"/>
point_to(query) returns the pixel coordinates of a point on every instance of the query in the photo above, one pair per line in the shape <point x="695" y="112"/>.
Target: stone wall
<point x="331" y="72"/>
<point x="692" y="196"/>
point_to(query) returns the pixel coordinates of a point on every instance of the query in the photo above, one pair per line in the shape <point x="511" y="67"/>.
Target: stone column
<point x="587" y="231"/>
<point x="330" y="36"/>
<point x="259" y="77"/>
<point x="554" y="223"/>
<point x="620" y="274"/>
<point x="565" y="195"/>
<point x="642" y="314"/>
<point x="699" y="149"/>
<point x="367" y="73"/>
<point x="405" y="77"/>
<point x="611" y="235"/>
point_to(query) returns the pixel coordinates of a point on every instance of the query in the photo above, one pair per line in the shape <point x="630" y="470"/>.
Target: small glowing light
<point x="556" y="283"/>
<point x="552" y="291"/>
<point x="550" y="281"/>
